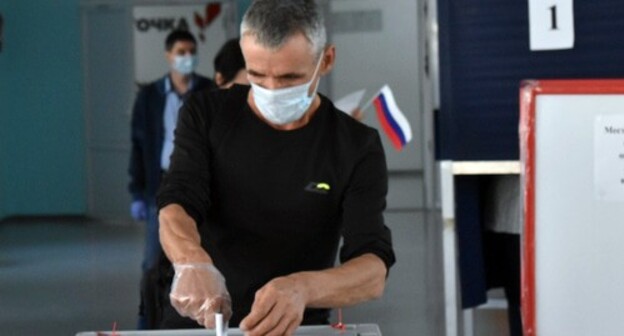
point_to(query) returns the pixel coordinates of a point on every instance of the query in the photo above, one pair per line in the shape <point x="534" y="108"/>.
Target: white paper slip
<point x="350" y="102"/>
<point x="220" y="327"/>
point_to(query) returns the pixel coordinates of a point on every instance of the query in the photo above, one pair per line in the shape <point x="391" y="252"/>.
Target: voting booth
<point x="487" y="48"/>
<point x="572" y="151"/>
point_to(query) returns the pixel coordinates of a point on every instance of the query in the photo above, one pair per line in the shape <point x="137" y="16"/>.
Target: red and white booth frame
<point x="528" y="93"/>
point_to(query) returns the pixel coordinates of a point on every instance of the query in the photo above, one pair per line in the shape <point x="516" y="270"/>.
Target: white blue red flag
<point x="391" y="118"/>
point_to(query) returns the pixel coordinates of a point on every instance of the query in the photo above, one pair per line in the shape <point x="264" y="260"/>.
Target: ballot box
<point x="349" y="330"/>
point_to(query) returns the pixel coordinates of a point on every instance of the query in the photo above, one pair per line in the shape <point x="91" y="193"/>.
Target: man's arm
<point x="179" y="236"/>
<point x="136" y="169"/>
<point x="198" y="290"/>
<point x="360" y="279"/>
<point x="279" y="305"/>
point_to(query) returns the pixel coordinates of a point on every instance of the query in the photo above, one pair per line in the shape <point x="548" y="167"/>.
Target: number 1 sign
<point x="551" y="24"/>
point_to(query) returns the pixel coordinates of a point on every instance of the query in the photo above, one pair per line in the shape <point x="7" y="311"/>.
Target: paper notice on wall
<point x="609" y="158"/>
<point x="551" y="24"/>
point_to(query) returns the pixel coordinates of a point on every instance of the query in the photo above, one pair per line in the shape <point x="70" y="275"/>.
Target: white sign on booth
<point x="609" y="157"/>
<point x="551" y="24"/>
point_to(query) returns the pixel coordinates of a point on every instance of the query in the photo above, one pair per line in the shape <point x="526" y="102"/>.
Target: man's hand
<point x="277" y="309"/>
<point x="198" y="291"/>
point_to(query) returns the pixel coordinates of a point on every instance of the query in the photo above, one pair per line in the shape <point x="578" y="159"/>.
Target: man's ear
<point x="219" y="79"/>
<point x="329" y="59"/>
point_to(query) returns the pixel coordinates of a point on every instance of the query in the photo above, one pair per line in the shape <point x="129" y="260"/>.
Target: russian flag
<point x="392" y="119"/>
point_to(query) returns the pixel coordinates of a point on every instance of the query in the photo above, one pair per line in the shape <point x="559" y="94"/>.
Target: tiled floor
<point x="60" y="276"/>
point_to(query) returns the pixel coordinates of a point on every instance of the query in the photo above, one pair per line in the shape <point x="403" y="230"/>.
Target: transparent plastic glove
<point x="138" y="210"/>
<point x="198" y="291"/>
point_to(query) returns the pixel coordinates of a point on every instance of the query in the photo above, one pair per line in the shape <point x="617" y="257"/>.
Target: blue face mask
<point x="185" y="65"/>
<point x="283" y="106"/>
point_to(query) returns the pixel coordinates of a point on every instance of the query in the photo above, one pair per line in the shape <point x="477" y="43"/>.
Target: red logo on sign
<point x="211" y="12"/>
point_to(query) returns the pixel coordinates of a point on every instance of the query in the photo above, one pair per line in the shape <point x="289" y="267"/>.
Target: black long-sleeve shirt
<point x="270" y="203"/>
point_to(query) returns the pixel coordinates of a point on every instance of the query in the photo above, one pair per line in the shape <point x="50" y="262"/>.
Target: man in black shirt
<point x="263" y="183"/>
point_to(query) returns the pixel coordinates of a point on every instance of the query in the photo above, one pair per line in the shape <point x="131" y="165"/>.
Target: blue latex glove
<point x="138" y="210"/>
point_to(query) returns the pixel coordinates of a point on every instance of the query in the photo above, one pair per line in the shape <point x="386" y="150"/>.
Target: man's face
<point x="292" y="64"/>
<point x="180" y="48"/>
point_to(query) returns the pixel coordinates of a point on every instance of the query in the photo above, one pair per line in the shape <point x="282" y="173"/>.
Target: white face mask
<point x="184" y="65"/>
<point x="283" y="106"/>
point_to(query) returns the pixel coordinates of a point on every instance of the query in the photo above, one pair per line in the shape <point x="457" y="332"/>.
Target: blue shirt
<point x="173" y="103"/>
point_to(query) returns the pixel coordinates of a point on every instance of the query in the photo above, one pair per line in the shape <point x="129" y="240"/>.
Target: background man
<point x="153" y="122"/>
<point x="229" y="65"/>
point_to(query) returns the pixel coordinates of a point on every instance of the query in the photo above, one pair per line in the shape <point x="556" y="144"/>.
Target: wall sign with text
<point x="609" y="157"/>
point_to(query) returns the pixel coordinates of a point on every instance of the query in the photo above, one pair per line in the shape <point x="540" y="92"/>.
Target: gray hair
<point x="273" y="22"/>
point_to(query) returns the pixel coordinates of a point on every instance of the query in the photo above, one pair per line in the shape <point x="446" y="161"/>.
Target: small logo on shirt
<point x="318" y="187"/>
